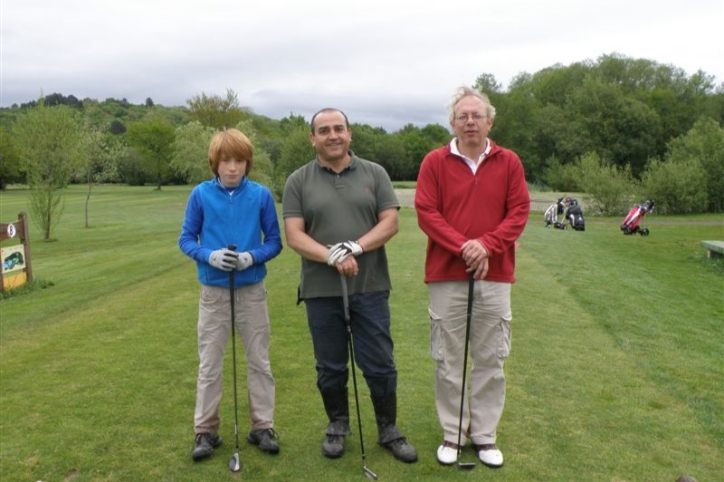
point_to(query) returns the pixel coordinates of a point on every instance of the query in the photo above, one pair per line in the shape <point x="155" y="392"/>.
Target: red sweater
<point x="454" y="205"/>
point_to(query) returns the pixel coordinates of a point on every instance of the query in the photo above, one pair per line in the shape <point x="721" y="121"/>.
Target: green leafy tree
<point x="436" y="134"/>
<point x="216" y="111"/>
<point x="514" y="128"/>
<point x="263" y="171"/>
<point x="102" y="151"/>
<point x="556" y="136"/>
<point x="618" y="128"/>
<point x="488" y="84"/>
<point x="562" y="177"/>
<point x="272" y="146"/>
<point x="676" y="186"/>
<point x="191" y="152"/>
<point x="293" y="122"/>
<point x="705" y="143"/>
<point x="296" y="152"/>
<point x="50" y="146"/>
<point x="553" y="85"/>
<point x="130" y="167"/>
<point x="117" y="127"/>
<point x="364" y="142"/>
<point x="271" y="134"/>
<point x="391" y="153"/>
<point x="417" y="145"/>
<point x="9" y="159"/>
<point x="610" y="187"/>
<point x="636" y="136"/>
<point x="153" y="141"/>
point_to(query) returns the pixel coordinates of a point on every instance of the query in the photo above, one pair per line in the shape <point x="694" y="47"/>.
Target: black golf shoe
<point x="333" y="446"/>
<point x="265" y="439"/>
<point x="204" y="445"/>
<point x="402" y="450"/>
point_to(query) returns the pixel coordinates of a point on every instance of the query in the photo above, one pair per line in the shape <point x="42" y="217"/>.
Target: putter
<point x="471" y="289"/>
<point x="345" y="299"/>
<point x="235" y="462"/>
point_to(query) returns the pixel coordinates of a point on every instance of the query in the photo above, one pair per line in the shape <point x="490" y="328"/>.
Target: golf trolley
<point x="632" y="223"/>
<point x="571" y="211"/>
<point x="555" y="209"/>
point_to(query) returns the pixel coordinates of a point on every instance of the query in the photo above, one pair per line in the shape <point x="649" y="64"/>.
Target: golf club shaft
<point x="235" y="465"/>
<point x="471" y="290"/>
<point x="233" y="354"/>
<point x="350" y="343"/>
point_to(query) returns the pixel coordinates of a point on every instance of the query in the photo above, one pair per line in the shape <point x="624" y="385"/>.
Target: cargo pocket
<point x="504" y="337"/>
<point x="437" y="348"/>
<point x="211" y="295"/>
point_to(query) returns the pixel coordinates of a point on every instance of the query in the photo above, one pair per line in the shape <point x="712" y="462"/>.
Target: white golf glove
<point x="340" y="251"/>
<point x="223" y="259"/>
<point x="332" y="249"/>
<point x="244" y="260"/>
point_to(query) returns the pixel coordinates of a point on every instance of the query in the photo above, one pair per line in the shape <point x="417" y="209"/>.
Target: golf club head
<point x="466" y="465"/>
<point x="235" y="463"/>
<point x="370" y="475"/>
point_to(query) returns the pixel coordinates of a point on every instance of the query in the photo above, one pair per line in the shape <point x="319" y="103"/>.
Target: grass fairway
<point x="616" y="370"/>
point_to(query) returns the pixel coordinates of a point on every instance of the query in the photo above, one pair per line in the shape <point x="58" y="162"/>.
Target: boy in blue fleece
<point x="232" y="210"/>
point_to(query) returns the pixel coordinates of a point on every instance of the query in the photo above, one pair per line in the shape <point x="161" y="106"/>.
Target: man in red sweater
<point x="472" y="201"/>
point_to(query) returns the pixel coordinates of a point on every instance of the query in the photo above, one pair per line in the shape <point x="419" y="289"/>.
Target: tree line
<point x="615" y="128"/>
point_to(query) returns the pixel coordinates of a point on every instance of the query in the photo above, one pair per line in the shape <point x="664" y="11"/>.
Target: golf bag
<point x="632" y="223"/>
<point x="555" y="209"/>
<point x="574" y="214"/>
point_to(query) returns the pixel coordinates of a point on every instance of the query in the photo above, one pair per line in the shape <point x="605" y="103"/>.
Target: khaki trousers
<point x="214" y="329"/>
<point x="490" y="338"/>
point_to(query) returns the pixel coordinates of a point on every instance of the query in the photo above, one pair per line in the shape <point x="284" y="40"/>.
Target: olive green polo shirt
<point x="339" y="207"/>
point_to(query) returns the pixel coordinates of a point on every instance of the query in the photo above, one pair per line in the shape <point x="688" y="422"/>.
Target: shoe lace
<point x="397" y="443"/>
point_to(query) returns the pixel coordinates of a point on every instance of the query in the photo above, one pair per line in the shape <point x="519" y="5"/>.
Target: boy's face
<point x="231" y="171"/>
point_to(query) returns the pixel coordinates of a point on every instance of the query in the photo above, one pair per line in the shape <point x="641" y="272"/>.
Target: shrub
<point x="677" y="187"/>
<point x="610" y="187"/>
<point x="562" y="177"/>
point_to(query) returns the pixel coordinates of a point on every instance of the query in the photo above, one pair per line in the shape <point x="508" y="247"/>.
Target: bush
<point x="562" y="177"/>
<point x="609" y="187"/>
<point x="677" y="187"/>
<point x="705" y="143"/>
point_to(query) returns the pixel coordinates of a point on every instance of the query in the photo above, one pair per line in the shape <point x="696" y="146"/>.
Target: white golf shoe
<point x="489" y="455"/>
<point x="447" y="453"/>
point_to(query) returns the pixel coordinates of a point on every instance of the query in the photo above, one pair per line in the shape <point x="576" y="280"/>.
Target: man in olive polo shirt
<point x="339" y="211"/>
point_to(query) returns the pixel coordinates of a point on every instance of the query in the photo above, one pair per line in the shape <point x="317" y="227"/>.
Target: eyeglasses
<point x="475" y="117"/>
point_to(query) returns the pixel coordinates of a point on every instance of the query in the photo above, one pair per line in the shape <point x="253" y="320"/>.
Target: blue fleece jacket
<point x="217" y="217"/>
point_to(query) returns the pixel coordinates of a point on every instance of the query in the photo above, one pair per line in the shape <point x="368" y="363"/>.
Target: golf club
<point x="235" y="462"/>
<point x="471" y="289"/>
<point x="345" y="299"/>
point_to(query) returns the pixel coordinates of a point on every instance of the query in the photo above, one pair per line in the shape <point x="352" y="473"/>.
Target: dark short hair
<point x="324" y="111"/>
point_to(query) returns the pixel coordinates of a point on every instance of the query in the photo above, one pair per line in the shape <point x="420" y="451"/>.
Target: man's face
<point x="331" y="137"/>
<point x="470" y="123"/>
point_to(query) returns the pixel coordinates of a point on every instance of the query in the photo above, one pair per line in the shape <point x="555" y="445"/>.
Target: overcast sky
<point x="386" y="63"/>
